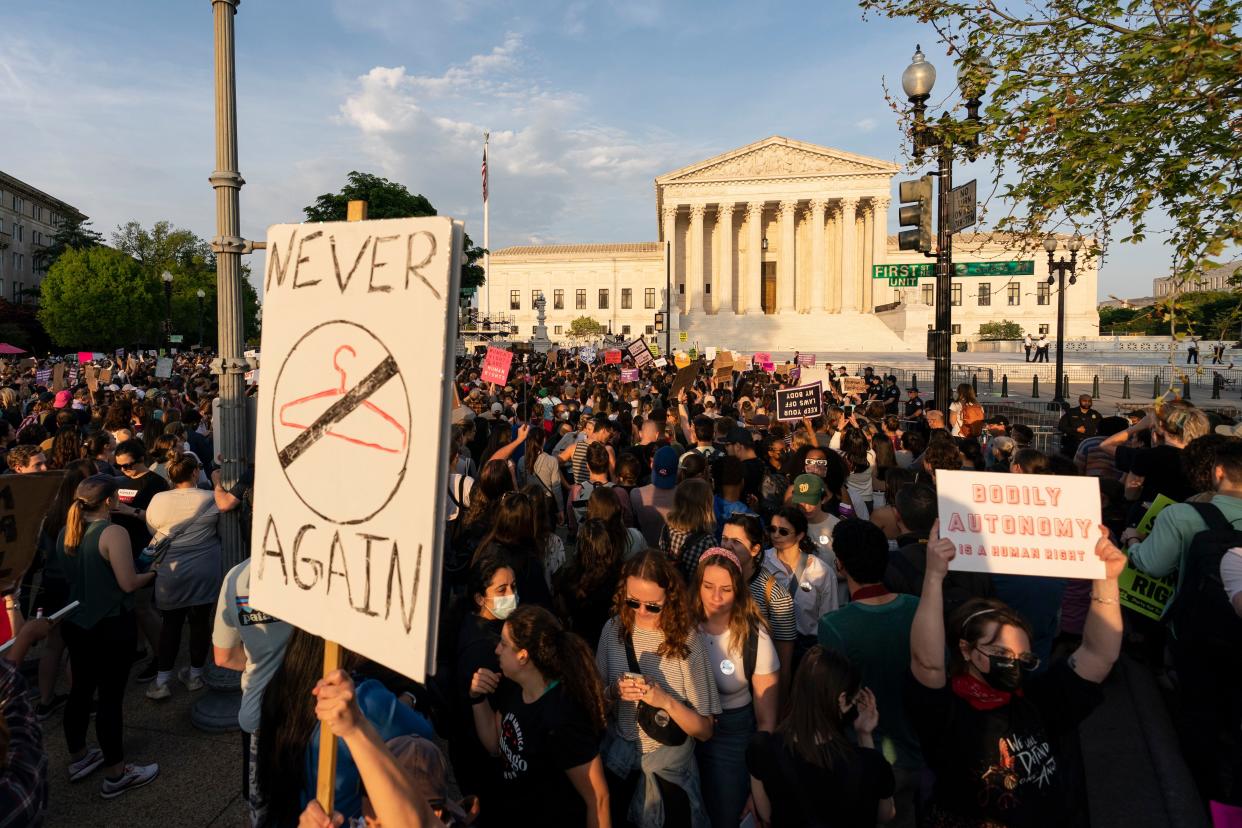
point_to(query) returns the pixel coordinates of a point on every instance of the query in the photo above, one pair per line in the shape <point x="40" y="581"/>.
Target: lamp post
<point x="168" y="280"/>
<point x="200" y="293"/>
<point x="1060" y="268"/>
<point x="917" y="81"/>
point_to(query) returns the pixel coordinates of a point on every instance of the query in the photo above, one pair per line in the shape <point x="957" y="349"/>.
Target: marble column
<point x="787" y="270"/>
<point x="849" y="267"/>
<point x="724" y="255"/>
<point x="695" y="296"/>
<point x="833" y="256"/>
<point x="669" y="214"/>
<point x="819" y="276"/>
<point x="754" y="256"/>
<point x="865" y="254"/>
<point x="879" y="248"/>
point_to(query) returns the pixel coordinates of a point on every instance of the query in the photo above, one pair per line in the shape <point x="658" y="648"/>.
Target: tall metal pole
<point x="487" y="246"/>
<point x="1058" y="399"/>
<point x="944" y="282"/>
<point x="668" y="296"/>
<point x="230" y="366"/>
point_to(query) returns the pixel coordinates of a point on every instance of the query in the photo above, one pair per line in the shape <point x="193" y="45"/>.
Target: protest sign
<point x="496" y="365"/>
<point x="655" y="348"/>
<point x="92" y="378"/>
<point x="1022" y="525"/>
<point x="352" y="443"/>
<point x="612" y="357"/>
<point x="639" y="352"/>
<point x="806" y="359"/>
<point x="105" y="375"/>
<point x="682" y="336"/>
<point x="660" y="362"/>
<point x="686" y="375"/>
<point x="629" y="375"/>
<point x="681" y="360"/>
<point x="854" y="386"/>
<point x="58" y="377"/>
<point x="761" y="357"/>
<point x="587" y="354"/>
<point x="1143" y="593"/>
<point x="163" y="368"/>
<point x="73" y="375"/>
<point x="24" y="500"/>
<point x="43" y="377"/>
<point x="768" y="366"/>
<point x="803" y="401"/>
<point x="27" y="363"/>
<point x="710" y="352"/>
<point x="85" y="356"/>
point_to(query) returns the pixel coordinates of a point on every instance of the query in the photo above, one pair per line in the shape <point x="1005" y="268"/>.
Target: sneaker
<point x="85" y="766"/>
<point x="147" y="673"/>
<point x="191" y="683"/>
<point x="45" y="711"/>
<point x="159" y="691"/>
<point x="134" y="776"/>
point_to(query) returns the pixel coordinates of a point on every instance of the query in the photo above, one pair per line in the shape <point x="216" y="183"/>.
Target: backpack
<point x="1201" y="610"/>
<point x="972" y="420"/>
<point x="458" y="547"/>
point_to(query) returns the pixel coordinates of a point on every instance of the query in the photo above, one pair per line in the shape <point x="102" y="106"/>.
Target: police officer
<point x="1077" y="425"/>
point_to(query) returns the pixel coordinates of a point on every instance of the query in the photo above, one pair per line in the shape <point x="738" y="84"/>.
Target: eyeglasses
<point x="781" y="531"/>
<point x="1027" y="661"/>
<point x="126" y="466"/>
<point x="810" y="462"/>
<point x="634" y="604"/>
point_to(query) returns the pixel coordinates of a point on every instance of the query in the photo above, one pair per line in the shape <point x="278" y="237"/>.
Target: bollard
<point x="1186" y="388"/>
<point x="1065" y="387"/>
<point x="1035" y="387"/>
<point x="974" y="383"/>
<point x="1217" y="382"/>
<point x="914" y="382"/>
<point x="1155" y="387"/>
<point x="1004" y="385"/>
<point x="1125" y="387"/>
<point x="1095" y="387"/>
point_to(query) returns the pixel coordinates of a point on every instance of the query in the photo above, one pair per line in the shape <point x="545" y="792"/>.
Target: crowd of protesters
<point x="662" y="606"/>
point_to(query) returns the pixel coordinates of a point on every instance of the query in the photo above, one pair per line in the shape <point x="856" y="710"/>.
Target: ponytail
<point x="561" y="655"/>
<point x="75" y="526"/>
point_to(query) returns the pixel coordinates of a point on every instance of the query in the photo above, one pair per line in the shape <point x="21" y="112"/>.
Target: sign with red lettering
<point x="612" y="357"/>
<point x="762" y="357"/>
<point x="496" y="365"/>
<point x="1021" y="525"/>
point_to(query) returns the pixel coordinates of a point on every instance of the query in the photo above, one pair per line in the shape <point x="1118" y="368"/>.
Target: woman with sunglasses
<point x="746" y="669"/>
<point x="662" y="696"/>
<point x="989" y="729"/>
<point x="811" y="582"/>
<point x="544" y="723"/>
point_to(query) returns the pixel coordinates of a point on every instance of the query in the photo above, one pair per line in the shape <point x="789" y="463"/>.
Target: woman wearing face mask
<point x="746" y="669"/>
<point x="808" y="579"/>
<point x="544" y="721"/>
<point x="662" y="698"/>
<point x="989" y="729"/>
<point x="491" y="597"/>
<point x="809" y="768"/>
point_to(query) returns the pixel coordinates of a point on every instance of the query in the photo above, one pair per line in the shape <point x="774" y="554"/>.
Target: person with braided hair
<point x="544" y="714"/>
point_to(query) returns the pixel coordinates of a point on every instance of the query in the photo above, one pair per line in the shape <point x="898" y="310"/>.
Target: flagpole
<point x="487" y="281"/>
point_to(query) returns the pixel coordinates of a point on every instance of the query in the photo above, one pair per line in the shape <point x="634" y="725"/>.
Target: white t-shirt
<point x="728" y="665"/>
<point x="467" y="484"/>
<point x="815" y="594"/>
<point x="956" y="429"/>
<point x="1231" y="572"/>
<point x="263" y="636"/>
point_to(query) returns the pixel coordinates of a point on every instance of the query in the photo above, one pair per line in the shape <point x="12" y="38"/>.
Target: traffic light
<point x="916" y="212"/>
<point x="659" y="321"/>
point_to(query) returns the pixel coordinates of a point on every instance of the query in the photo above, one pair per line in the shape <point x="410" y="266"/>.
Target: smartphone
<point x="633" y="677"/>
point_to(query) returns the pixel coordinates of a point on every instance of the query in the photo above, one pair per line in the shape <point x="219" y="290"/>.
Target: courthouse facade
<point x="780" y="245"/>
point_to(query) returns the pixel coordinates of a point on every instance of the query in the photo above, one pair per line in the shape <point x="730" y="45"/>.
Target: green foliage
<point x="98" y="298"/>
<point x="584" y="327"/>
<point x="73" y="234"/>
<point x="388" y="199"/>
<point x="1004" y="329"/>
<point x="1099" y="111"/>
<point x="1211" y="315"/>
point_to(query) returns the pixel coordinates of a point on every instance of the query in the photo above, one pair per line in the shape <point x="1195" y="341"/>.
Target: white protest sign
<point x="352" y="443"/>
<point x="163" y="367"/>
<point x="1021" y="524"/>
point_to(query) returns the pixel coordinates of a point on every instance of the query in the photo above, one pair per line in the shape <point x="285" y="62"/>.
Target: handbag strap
<point x="629" y="654"/>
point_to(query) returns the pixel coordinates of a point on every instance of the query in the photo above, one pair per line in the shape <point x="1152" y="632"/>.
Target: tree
<point x="192" y="263"/>
<point x="388" y="199"/>
<point x="73" y="234"/>
<point x="1103" y="110"/>
<point x="98" y="298"/>
<point x="584" y="327"/>
<point x="1003" y="329"/>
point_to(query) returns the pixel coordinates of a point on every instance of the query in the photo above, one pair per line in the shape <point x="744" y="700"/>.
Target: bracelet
<point x="1100" y="600"/>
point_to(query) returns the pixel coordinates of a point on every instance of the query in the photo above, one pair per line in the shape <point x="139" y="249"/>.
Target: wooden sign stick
<point x="326" y="781"/>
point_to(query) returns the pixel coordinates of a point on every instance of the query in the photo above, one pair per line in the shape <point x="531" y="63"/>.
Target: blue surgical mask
<point x="504" y="605"/>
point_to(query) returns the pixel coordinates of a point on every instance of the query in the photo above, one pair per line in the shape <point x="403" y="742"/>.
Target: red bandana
<point x="979" y="694"/>
<point x="869" y="591"/>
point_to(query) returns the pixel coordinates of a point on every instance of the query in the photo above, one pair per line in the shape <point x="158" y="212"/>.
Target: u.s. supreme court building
<point x="780" y="246"/>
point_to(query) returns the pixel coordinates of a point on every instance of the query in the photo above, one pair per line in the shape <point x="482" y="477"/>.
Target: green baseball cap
<point x="808" y="488"/>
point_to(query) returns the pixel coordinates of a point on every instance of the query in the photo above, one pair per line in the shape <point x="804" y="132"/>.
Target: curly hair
<point x="654" y="566"/>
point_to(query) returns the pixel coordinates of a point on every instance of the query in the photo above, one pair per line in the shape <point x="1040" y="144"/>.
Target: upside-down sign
<point x="351" y="450"/>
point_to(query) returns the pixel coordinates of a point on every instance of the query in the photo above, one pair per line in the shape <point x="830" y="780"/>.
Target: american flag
<point x="485" y="169"/>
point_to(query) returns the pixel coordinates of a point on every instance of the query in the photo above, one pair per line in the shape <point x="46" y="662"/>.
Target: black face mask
<point x="1006" y="676"/>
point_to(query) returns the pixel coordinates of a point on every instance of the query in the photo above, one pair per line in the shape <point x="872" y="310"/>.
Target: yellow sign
<point x="683" y="336"/>
<point x="1143" y="593"/>
<point x="681" y="360"/>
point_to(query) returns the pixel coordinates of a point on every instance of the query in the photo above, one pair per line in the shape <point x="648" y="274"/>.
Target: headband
<point x="972" y="616"/>
<point x="721" y="552"/>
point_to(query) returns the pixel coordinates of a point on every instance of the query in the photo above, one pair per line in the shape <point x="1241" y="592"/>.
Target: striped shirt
<point x="23" y="784"/>
<point x="779" y="612"/>
<point x="689" y="680"/>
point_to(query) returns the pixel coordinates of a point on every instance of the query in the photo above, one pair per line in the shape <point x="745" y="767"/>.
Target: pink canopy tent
<point x="6" y="348"/>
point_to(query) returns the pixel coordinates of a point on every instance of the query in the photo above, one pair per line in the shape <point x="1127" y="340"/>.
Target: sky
<point x="110" y="107"/>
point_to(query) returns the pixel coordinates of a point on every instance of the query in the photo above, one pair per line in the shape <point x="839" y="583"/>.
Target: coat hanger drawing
<point x="395" y="444"/>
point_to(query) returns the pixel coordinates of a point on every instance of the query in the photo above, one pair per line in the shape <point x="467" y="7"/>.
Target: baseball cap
<point x="740" y="435"/>
<point x="497" y="408"/>
<point x="808" y="488"/>
<point x="462" y="414"/>
<point x="63" y="398"/>
<point x="709" y="399"/>
<point x="999" y="419"/>
<point x="664" y="470"/>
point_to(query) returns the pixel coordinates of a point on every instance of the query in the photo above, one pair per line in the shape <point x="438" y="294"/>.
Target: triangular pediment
<point x="778" y="157"/>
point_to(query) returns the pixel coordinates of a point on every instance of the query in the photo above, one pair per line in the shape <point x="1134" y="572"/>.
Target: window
<point x="558" y="299"/>
<point x="625" y="330"/>
<point x="985" y="294"/>
<point x="627" y="298"/>
<point x="515" y="300"/>
<point x="955" y="295"/>
<point x="682" y="288"/>
<point x="957" y="329"/>
<point x="650" y="329"/>
<point x="20" y="231"/>
<point x="557" y="330"/>
<point x="15" y="282"/>
<point x="535" y="296"/>
<point x="1043" y="329"/>
<point x="649" y="298"/>
<point x="603" y="298"/>
<point x="580" y="298"/>
<point x="1015" y="293"/>
<point x="929" y="294"/>
<point x="1043" y="293"/>
<point x="707" y="289"/>
<point x="514" y="330"/>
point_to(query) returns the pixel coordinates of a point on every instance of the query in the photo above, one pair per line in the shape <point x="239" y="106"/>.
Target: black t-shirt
<point x="1003" y="764"/>
<point x="803" y="794"/>
<point x="138" y="493"/>
<point x="913" y="407"/>
<point x="539" y="742"/>
<point x="1161" y="470"/>
<point x="475" y="769"/>
<point x="892" y="397"/>
<point x="753" y="470"/>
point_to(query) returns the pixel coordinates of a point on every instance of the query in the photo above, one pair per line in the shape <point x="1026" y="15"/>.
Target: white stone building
<point x="28" y="221"/>
<point x="777" y="246"/>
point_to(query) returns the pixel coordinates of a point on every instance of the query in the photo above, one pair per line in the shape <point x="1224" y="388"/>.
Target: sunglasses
<point x="126" y="466"/>
<point x="634" y="604"/>
<point x="1027" y="661"/>
<point x="781" y="531"/>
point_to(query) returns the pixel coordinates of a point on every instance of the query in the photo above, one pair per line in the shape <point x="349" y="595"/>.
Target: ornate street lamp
<point x="168" y="280"/>
<point x="1060" y="268"/>
<point x="200" y="293"/>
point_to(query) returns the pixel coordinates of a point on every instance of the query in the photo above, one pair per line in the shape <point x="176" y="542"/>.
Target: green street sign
<point x="908" y="275"/>
<point x="175" y="339"/>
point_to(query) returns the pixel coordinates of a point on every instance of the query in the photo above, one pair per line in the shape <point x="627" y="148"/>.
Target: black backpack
<point x="1201" y="610"/>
